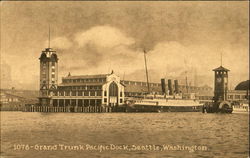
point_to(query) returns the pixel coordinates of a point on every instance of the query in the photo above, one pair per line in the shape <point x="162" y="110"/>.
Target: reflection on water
<point x="225" y="135"/>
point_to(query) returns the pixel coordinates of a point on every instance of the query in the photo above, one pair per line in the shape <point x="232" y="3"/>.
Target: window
<point x="61" y="93"/>
<point x="86" y="93"/>
<point x="120" y="94"/>
<point x="105" y="100"/>
<point x="92" y="93"/>
<point x="113" y="89"/>
<point x="73" y="93"/>
<point x="105" y="93"/>
<point x="99" y="93"/>
<point x="230" y="97"/>
<point x="67" y="93"/>
<point x="237" y="96"/>
<point x="120" y="100"/>
<point x="79" y="93"/>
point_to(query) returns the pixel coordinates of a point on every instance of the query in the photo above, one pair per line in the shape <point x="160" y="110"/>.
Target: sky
<point x="181" y="38"/>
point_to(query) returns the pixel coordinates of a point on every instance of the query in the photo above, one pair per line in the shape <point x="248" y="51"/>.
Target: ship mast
<point x="145" y="59"/>
<point x="186" y="81"/>
<point x="186" y="75"/>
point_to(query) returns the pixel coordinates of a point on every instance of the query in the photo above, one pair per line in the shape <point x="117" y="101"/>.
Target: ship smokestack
<point x="176" y="86"/>
<point x="170" y="88"/>
<point x="163" y="85"/>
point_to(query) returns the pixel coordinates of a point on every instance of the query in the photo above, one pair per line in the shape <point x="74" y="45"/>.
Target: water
<point x="223" y="135"/>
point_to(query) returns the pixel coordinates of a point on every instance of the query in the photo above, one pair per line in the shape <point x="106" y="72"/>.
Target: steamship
<point x="163" y="103"/>
<point x="169" y="102"/>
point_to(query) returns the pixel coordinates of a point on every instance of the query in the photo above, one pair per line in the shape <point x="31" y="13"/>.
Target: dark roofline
<point x="80" y="84"/>
<point x="86" y="76"/>
<point x="221" y="68"/>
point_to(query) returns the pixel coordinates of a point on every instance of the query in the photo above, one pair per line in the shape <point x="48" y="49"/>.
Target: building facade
<point x="96" y="90"/>
<point x="89" y="90"/>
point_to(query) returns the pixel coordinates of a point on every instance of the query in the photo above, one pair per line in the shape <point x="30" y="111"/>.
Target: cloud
<point x="103" y="36"/>
<point x="101" y="49"/>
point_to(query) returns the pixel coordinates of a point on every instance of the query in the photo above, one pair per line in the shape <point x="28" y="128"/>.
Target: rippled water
<point x="224" y="135"/>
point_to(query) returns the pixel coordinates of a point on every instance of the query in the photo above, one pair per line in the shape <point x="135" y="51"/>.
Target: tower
<point x="48" y="75"/>
<point x="220" y="83"/>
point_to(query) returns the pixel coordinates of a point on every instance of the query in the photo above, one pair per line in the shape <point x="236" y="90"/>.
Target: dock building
<point x="97" y="90"/>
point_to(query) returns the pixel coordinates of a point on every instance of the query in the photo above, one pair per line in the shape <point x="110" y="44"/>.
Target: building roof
<point x="244" y="85"/>
<point x="221" y="68"/>
<point x="87" y="76"/>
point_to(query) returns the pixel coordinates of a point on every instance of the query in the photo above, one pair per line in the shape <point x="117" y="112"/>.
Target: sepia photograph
<point x="124" y="79"/>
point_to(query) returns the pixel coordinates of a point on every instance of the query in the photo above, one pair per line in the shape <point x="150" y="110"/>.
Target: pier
<point x="89" y="109"/>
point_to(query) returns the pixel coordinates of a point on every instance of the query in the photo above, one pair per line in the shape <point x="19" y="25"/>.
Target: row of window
<point x="237" y="96"/>
<point x="105" y="93"/>
<point x="159" y="85"/>
<point x="84" y="80"/>
<point x="81" y="93"/>
<point x="221" y="72"/>
<point x="141" y="83"/>
<point x="105" y="100"/>
<point x="77" y="102"/>
<point x="81" y="88"/>
<point x="78" y="93"/>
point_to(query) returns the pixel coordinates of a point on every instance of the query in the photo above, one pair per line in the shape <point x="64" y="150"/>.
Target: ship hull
<point x="147" y="108"/>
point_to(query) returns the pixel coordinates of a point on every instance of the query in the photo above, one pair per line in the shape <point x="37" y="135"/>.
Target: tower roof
<point x="48" y="54"/>
<point x="221" y="68"/>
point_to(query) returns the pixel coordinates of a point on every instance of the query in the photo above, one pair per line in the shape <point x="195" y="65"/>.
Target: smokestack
<point x="170" y="87"/>
<point x="176" y="86"/>
<point x="163" y="85"/>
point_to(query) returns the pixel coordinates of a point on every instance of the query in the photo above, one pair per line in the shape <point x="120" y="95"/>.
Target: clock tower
<point x="48" y="75"/>
<point x="220" y="83"/>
